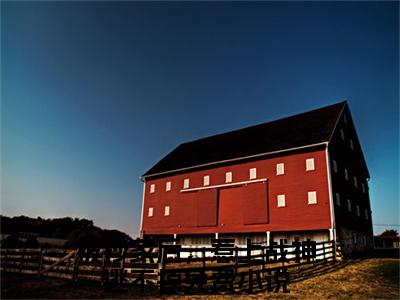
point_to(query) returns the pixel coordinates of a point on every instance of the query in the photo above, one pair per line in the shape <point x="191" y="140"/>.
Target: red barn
<point x="301" y="177"/>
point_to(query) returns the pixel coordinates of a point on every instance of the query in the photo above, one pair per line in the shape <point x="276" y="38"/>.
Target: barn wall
<point x="346" y="153"/>
<point x="252" y="209"/>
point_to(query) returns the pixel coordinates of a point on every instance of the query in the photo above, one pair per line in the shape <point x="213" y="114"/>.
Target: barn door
<point x="230" y="207"/>
<point x="255" y="203"/>
<point x="243" y="205"/>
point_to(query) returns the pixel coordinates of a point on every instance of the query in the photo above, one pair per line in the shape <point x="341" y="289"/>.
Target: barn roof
<point x="303" y="129"/>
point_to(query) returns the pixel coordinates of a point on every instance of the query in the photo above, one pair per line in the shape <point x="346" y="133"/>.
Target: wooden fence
<point x="252" y="267"/>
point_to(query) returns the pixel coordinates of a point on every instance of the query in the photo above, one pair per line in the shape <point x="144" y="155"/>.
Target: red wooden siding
<point x="230" y="207"/>
<point x="207" y="207"/>
<point x="196" y="212"/>
<point x="183" y="212"/>
<point x="255" y="205"/>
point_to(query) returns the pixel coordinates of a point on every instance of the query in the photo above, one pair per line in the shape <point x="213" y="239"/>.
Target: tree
<point x="390" y="232"/>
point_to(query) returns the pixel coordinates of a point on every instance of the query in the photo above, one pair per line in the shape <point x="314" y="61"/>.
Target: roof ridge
<point x="344" y="102"/>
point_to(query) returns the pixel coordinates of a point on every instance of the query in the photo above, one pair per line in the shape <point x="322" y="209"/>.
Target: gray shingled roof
<point x="304" y="129"/>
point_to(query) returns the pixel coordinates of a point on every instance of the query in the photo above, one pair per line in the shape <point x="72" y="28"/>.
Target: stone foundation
<point x="353" y="242"/>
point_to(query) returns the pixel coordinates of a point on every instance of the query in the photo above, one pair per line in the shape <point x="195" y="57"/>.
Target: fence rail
<point x="175" y="267"/>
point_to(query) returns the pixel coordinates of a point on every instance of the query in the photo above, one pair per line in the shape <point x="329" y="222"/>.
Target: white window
<point x="363" y="187"/>
<point x="351" y="145"/>
<point x="348" y="205"/>
<point x="312" y="197"/>
<point x="335" y="166"/>
<point x="281" y="201"/>
<point x="346" y="174"/>
<point x="355" y="181"/>
<point x="366" y="214"/>
<point x="253" y="173"/>
<point x="342" y="134"/>
<point x="358" y="210"/>
<point x="280" y="169"/>
<point x="228" y="177"/>
<point x="150" y="212"/>
<point x="206" y="180"/>
<point x="168" y="186"/>
<point x="337" y="199"/>
<point x="166" y="211"/>
<point x="152" y="188"/>
<point x="310" y="164"/>
<point x="186" y="183"/>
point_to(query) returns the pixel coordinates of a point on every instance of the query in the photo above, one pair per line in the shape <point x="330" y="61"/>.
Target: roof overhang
<point x="238" y="159"/>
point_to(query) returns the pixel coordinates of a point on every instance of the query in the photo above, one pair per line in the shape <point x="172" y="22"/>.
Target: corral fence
<point x="173" y="268"/>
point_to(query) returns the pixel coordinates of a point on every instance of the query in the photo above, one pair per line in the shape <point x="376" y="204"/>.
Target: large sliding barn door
<point x="255" y="203"/>
<point x="243" y="205"/>
<point x="230" y="207"/>
<point x="197" y="209"/>
<point x="207" y="207"/>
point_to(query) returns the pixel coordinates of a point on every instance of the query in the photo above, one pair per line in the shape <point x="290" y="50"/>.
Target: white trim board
<point x="223" y="185"/>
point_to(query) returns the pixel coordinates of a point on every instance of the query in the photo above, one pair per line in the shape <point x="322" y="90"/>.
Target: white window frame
<point x="351" y="144"/>
<point x="346" y="174"/>
<point x="355" y="181"/>
<point x="228" y="177"/>
<point x="312" y="197"/>
<point x="206" y="180"/>
<point x="280" y="169"/>
<point x="168" y="186"/>
<point x="281" y="200"/>
<point x="358" y="210"/>
<point x="342" y="134"/>
<point x="363" y="187"/>
<point x="349" y="205"/>
<point x="150" y="212"/>
<point x="335" y="169"/>
<point x="310" y="164"/>
<point x="152" y="188"/>
<point x="337" y="199"/>
<point x="166" y="211"/>
<point x="186" y="183"/>
<point x="253" y="173"/>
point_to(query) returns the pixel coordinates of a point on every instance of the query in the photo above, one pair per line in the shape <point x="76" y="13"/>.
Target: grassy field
<point x="365" y="279"/>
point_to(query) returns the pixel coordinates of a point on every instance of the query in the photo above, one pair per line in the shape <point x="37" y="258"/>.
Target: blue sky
<point x="95" y="93"/>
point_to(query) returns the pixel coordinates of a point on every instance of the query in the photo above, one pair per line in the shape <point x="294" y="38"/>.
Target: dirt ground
<point x="366" y="279"/>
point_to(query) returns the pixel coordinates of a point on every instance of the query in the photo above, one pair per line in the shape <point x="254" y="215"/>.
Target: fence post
<point x="75" y="269"/>
<point x="248" y="248"/>
<point x="250" y="281"/>
<point x="122" y="267"/>
<point x="22" y="260"/>
<point x="161" y="274"/>
<point x="40" y="260"/>
<point x="323" y="249"/>
<point x="203" y="253"/>
<point x="163" y="258"/>
<point x="5" y="259"/>
<point x="160" y="247"/>
<point x="236" y="259"/>
<point x="334" y="249"/>
<point x="103" y="265"/>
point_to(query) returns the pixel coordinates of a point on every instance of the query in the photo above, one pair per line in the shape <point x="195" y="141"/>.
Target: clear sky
<point x="95" y="93"/>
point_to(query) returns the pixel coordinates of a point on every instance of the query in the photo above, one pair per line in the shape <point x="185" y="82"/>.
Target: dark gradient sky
<point x="95" y="93"/>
